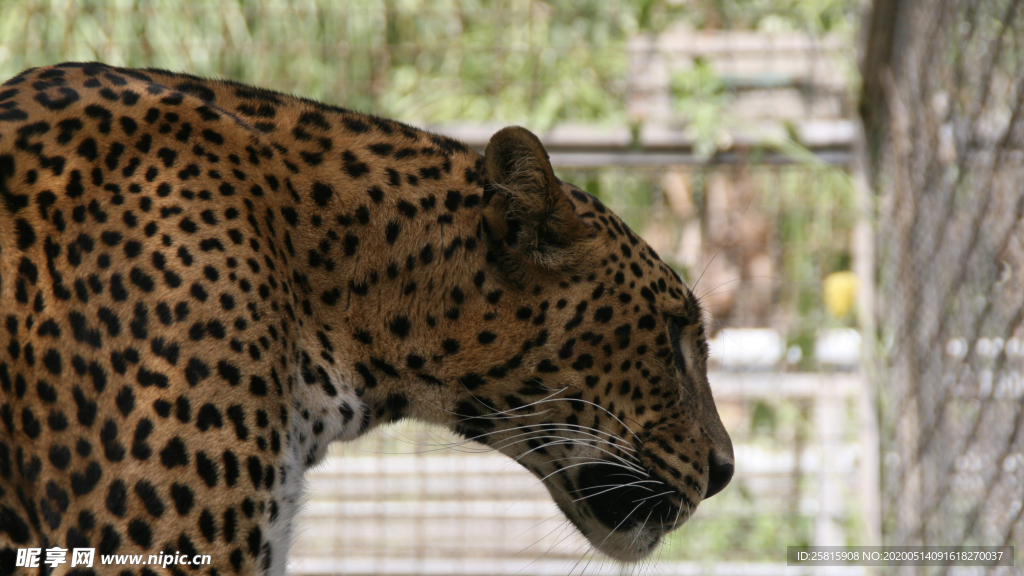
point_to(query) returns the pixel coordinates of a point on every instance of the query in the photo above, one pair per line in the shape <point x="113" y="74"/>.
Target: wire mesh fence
<point x="945" y="103"/>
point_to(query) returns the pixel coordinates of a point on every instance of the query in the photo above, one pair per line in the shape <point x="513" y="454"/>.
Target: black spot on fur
<point x="174" y="453"/>
<point x="400" y="326"/>
<point x="25" y="233"/>
<point x="322" y="193"/>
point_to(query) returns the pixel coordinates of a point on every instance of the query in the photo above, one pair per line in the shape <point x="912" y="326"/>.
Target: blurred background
<point x="839" y="181"/>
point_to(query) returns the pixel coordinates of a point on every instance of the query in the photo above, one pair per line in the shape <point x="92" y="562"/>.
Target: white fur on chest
<point x="316" y="420"/>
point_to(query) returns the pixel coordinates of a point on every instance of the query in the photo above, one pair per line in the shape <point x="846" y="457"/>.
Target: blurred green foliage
<point x="424" y="61"/>
<point x="699" y="97"/>
<point x="815" y="217"/>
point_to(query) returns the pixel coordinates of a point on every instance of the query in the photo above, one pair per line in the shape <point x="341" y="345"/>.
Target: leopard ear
<point x="534" y="217"/>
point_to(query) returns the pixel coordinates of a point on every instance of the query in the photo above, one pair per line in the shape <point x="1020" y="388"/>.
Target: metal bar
<point x="641" y="159"/>
<point x="745" y="386"/>
<point x="655" y="146"/>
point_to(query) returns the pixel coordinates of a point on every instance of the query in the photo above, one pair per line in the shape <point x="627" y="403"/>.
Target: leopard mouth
<point x="625" y="544"/>
<point x="623" y="518"/>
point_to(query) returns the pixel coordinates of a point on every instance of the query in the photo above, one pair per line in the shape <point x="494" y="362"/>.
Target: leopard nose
<point x="720" y="468"/>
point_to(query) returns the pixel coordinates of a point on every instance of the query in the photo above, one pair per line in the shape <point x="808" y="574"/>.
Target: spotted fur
<point x="203" y="284"/>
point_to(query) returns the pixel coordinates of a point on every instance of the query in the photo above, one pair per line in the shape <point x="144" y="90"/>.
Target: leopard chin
<point x="631" y="543"/>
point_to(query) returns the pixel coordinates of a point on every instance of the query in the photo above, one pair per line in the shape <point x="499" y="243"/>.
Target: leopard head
<point x="605" y="396"/>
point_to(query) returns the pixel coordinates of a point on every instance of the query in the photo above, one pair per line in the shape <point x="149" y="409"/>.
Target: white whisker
<point x="614" y="486"/>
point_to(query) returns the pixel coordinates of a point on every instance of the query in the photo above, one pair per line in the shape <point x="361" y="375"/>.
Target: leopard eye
<point x="675" y="327"/>
<point x="675" y="330"/>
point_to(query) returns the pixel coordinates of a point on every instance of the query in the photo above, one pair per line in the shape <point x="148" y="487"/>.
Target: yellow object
<point x="840" y="291"/>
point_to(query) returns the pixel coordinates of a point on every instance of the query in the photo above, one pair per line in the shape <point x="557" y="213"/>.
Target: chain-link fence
<point x="944" y="86"/>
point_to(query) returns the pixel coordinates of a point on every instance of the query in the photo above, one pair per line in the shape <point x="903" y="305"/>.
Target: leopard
<point x="204" y="284"/>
